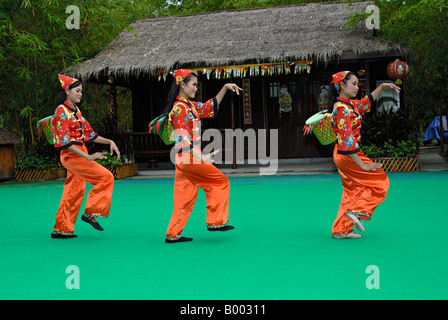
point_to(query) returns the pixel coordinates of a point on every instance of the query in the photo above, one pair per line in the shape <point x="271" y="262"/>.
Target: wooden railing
<point x="149" y="147"/>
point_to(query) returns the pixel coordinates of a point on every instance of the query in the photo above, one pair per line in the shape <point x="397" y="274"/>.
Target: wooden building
<point x="265" y="50"/>
<point x="8" y="140"/>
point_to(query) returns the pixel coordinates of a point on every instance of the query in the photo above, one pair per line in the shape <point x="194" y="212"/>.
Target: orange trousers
<point x="362" y="192"/>
<point x="80" y="171"/>
<point x="192" y="174"/>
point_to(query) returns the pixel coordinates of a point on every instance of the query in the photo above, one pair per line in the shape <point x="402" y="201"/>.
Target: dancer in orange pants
<point x="193" y="169"/>
<point x="362" y="192"/>
<point x="80" y="171"/>
<point x="71" y="132"/>
<point x="364" y="183"/>
<point x="190" y="176"/>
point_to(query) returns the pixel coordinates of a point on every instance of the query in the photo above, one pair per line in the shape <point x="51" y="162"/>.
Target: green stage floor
<point x="281" y="247"/>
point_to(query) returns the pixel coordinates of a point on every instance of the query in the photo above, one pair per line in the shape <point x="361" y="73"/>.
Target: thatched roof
<point x="299" y="32"/>
<point x="8" y="137"/>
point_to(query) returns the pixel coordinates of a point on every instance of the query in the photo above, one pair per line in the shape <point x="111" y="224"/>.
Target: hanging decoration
<point x="362" y="82"/>
<point x="284" y="101"/>
<point x="251" y="70"/>
<point x="323" y="97"/>
<point x="398" y="70"/>
<point x="246" y="102"/>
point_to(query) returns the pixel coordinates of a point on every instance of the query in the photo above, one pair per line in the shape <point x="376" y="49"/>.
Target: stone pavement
<point x="429" y="160"/>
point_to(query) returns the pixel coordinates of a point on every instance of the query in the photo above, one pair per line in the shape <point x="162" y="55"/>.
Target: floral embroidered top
<point x="70" y="127"/>
<point x="185" y="117"/>
<point x="346" y="122"/>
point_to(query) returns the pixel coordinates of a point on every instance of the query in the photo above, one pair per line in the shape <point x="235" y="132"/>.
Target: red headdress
<point x="66" y="81"/>
<point x="181" y="74"/>
<point x="337" y="79"/>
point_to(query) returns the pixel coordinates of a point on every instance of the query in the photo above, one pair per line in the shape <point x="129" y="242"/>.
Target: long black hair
<point x="63" y="96"/>
<point x="333" y="94"/>
<point x="173" y="93"/>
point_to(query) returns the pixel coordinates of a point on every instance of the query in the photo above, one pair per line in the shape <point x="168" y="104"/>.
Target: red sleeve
<point x="342" y="126"/>
<point x="89" y="134"/>
<point x="181" y="123"/>
<point x="60" y="129"/>
<point x="207" y="109"/>
<point x="363" y="105"/>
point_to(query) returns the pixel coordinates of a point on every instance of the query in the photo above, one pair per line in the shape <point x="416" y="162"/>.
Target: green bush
<point x="391" y="150"/>
<point x="24" y="161"/>
<point x="380" y="127"/>
<point x="110" y="160"/>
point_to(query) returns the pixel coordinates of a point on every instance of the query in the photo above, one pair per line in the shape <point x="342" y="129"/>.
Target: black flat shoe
<point x="225" y="228"/>
<point x="94" y="224"/>
<point x="181" y="239"/>
<point x="63" y="236"/>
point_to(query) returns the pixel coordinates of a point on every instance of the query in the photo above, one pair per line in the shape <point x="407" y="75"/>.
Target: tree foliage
<point x="36" y="44"/>
<point x="422" y="26"/>
<point x="202" y="6"/>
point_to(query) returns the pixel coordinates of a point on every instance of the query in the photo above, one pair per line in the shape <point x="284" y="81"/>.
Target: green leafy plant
<point x="110" y="161"/>
<point x="380" y="127"/>
<point x="124" y="142"/>
<point x="24" y="161"/>
<point x="391" y="150"/>
<point x="373" y="151"/>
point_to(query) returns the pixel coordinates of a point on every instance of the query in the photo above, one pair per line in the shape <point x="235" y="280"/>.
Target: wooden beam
<point x="232" y="120"/>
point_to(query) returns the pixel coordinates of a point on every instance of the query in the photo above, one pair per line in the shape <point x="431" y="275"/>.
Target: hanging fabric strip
<point x="240" y="71"/>
<point x="246" y="102"/>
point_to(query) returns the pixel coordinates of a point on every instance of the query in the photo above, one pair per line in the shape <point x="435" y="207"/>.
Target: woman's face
<point x="190" y="88"/>
<point x="350" y="87"/>
<point x="74" y="95"/>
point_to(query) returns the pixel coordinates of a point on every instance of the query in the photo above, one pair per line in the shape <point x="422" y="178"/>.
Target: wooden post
<point x="265" y="115"/>
<point x="232" y="117"/>
<point x="151" y="98"/>
<point x="113" y="103"/>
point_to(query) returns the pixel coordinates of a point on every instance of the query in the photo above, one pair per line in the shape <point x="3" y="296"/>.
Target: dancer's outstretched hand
<point x="233" y="87"/>
<point x="97" y="155"/>
<point x="391" y="86"/>
<point x="113" y="147"/>
<point x="207" y="158"/>
<point x="371" y="166"/>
